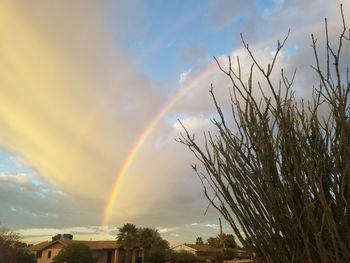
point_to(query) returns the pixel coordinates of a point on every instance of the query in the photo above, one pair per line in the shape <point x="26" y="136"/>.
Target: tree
<point x="56" y="237"/>
<point x="156" y="256"/>
<point x="149" y="239"/>
<point x="62" y="237"/>
<point x="25" y="256"/>
<point x="74" y="253"/>
<point x="224" y="240"/>
<point x="67" y="237"/>
<point x="8" y="240"/>
<point x="199" y="241"/>
<point x="229" y="240"/>
<point x="155" y="247"/>
<point x="12" y="249"/>
<point x="278" y="170"/>
<point x="128" y="237"/>
<point x="214" y="242"/>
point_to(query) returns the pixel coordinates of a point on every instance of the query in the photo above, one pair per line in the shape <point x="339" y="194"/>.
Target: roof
<point x="40" y="246"/>
<point x="201" y="248"/>
<point x="93" y="245"/>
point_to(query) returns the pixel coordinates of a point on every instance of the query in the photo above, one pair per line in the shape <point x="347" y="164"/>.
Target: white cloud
<point x="193" y="123"/>
<point x="166" y="230"/>
<point x="184" y="76"/>
<point x="16" y="178"/>
<point x="63" y="86"/>
<point x="35" y="235"/>
<point x="208" y="225"/>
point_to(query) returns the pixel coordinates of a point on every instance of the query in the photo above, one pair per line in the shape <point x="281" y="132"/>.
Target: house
<point x="102" y="251"/>
<point x="199" y="250"/>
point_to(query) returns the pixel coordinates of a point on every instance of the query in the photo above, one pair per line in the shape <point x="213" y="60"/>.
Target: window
<point x="38" y="254"/>
<point x="49" y="254"/>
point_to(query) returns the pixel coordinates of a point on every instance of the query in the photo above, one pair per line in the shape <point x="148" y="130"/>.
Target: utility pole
<point x="222" y="243"/>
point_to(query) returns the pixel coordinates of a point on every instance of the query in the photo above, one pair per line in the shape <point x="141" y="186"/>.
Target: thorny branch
<point x="281" y="177"/>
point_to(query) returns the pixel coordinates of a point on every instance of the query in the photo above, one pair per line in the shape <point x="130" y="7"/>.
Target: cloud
<point x="168" y="180"/>
<point x="183" y="76"/>
<point x="36" y="235"/>
<point x="165" y="230"/>
<point x="20" y="179"/>
<point x="67" y="94"/>
<point x="193" y="123"/>
<point x="29" y="197"/>
<point x="197" y="108"/>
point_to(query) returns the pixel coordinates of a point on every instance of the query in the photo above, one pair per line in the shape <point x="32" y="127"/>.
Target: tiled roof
<point x="96" y="245"/>
<point x="203" y="248"/>
<point x="40" y="246"/>
<point x="93" y="245"/>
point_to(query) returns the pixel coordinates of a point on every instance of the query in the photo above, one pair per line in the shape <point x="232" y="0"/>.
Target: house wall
<point x="45" y="255"/>
<point x="101" y="256"/>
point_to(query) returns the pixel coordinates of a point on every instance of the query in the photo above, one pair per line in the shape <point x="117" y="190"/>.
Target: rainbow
<point x="194" y="82"/>
<point x="146" y="132"/>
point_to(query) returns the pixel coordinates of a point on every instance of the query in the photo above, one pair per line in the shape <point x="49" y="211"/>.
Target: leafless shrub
<point x="282" y="177"/>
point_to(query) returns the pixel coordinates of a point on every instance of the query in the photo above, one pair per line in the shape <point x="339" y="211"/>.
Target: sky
<point x="90" y="94"/>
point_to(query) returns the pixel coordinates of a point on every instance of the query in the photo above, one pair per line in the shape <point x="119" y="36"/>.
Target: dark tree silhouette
<point x="223" y="240"/>
<point x="128" y="237"/>
<point x="12" y="249"/>
<point x="199" y="241"/>
<point x="153" y="244"/>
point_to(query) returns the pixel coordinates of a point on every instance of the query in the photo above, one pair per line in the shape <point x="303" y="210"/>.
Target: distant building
<point x="102" y="251"/>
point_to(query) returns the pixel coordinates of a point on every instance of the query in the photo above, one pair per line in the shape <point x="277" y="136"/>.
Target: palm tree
<point x="127" y="236"/>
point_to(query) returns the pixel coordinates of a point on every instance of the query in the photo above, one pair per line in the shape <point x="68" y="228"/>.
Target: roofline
<point x="63" y="243"/>
<point x="51" y="243"/>
<point x="183" y="244"/>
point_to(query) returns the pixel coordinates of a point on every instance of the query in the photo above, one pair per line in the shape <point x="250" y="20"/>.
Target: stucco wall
<point x="101" y="256"/>
<point x="44" y="256"/>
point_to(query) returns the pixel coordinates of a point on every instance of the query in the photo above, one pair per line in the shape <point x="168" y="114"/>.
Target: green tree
<point x="153" y="244"/>
<point x="74" y="253"/>
<point x="278" y="170"/>
<point x="199" y="241"/>
<point x="128" y="237"/>
<point x="25" y="256"/>
<point x="214" y="242"/>
<point x="56" y="237"/>
<point x="229" y="240"/>
<point x="156" y="256"/>
<point x="67" y="236"/>
<point x="62" y="237"/>
<point x="224" y="240"/>
<point x="149" y="238"/>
